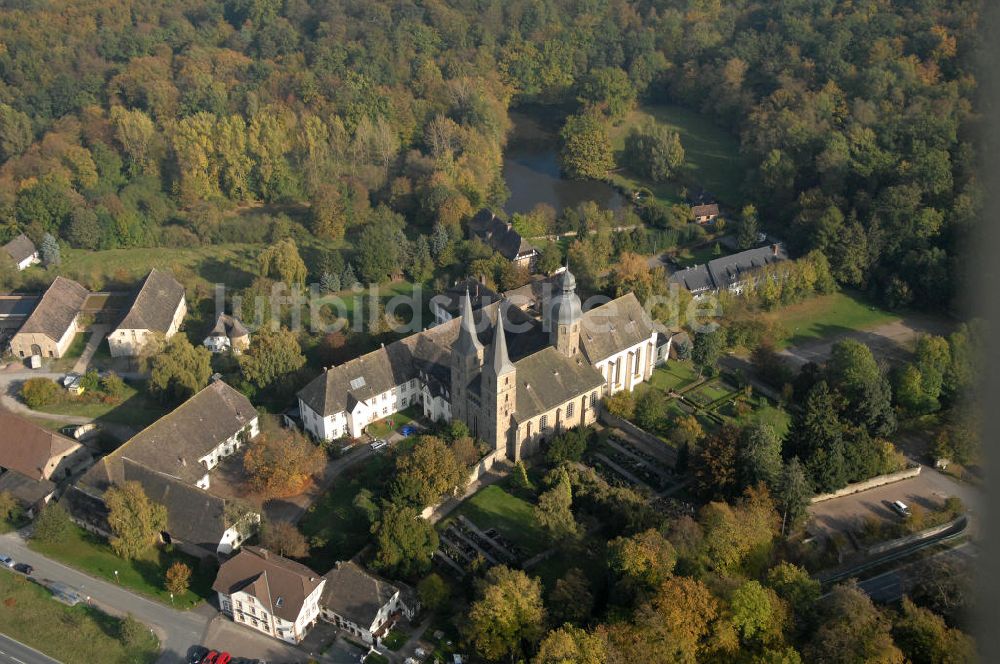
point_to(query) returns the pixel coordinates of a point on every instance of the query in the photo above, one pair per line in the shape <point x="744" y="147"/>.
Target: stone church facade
<point x="512" y="378"/>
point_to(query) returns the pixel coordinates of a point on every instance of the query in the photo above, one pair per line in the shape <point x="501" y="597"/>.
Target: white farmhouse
<point x="157" y="311"/>
<point x="361" y="604"/>
<point x="23" y="252"/>
<point x="172" y="459"/>
<point x="274" y="595"/>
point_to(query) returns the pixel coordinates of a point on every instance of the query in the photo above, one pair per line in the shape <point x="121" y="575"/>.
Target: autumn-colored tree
<point x="852" y="629"/>
<point x="571" y="645"/>
<point x="39" y="392"/>
<point x="715" y="463"/>
<point x="281" y="463"/>
<point x="508" y="616"/>
<point x="427" y="472"/>
<point x="283" y="538"/>
<point x="644" y="560"/>
<point x="136" y="521"/>
<point x="177" y="579"/>
<point x="571" y="599"/>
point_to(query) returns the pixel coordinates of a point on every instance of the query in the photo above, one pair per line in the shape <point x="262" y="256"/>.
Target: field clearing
<point x="826" y="315"/>
<point x="75" y="635"/>
<point x="712" y="157"/>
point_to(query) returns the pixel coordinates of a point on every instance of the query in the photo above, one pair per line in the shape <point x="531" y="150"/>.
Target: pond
<point x="531" y="172"/>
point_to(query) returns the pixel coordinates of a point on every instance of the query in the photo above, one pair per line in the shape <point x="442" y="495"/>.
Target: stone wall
<point x="877" y="481"/>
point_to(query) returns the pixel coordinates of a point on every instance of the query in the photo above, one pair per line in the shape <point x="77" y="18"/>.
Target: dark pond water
<point x="531" y="172"/>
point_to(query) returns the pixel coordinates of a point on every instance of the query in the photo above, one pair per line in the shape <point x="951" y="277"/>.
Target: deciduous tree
<point x="177" y="579"/>
<point x="179" y="369"/>
<point x="404" y="542"/>
<point x="136" y="521"/>
<point x="508" y="616"/>
<point x="281" y="462"/>
<point x="272" y="355"/>
<point x="283" y="538"/>
<point x="586" y="148"/>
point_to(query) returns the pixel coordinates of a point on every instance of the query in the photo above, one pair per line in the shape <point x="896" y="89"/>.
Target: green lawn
<point x="75" y="349"/>
<point x="74" y="635"/>
<point x="513" y="517"/>
<point x="382" y="428"/>
<point x="673" y="376"/>
<point x="134" y="409"/>
<point x="827" y="315"/>
<point x="712" y="155"/>
<point x="92" y="554"/>
<point x="395" y="639"/>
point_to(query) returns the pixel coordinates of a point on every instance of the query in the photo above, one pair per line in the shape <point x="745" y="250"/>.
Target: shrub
<point x="38" y="392"/>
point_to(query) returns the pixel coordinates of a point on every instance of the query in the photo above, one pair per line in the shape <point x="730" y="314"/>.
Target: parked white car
<point x="6" y="561"/>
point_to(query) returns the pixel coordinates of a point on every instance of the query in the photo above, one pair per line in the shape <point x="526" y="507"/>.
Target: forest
<point x="150" y="123"/>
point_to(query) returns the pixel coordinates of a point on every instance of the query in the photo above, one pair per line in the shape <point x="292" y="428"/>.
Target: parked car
<point x="6" y="561"/>
<point x="378" y="444"/>
<point x="407" y="431"/>
<point x="900" y="508"/>
<point x="197" y="654"/>
<point x="69" y="378"/>
<point x="24" y="568"/>
<point x="210" y="657"/>
<point x="223" y="658"/>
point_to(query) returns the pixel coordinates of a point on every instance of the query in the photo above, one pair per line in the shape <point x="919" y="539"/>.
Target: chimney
<point x="774" y="249"/>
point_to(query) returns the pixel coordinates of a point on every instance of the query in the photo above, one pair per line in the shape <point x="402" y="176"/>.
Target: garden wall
<point x="880" y="480"/>
<point x="650" y="443"/>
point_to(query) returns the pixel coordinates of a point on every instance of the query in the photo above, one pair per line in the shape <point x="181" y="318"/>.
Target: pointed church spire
<point x="468" y="340"/>
<point x="499" y="360"/>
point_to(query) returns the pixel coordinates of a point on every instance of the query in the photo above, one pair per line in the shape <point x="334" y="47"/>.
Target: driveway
<point x="928" y="490"/>
<point x="97" y="333"/>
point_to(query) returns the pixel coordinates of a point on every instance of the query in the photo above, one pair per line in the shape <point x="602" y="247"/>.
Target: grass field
<point x="333" y="522"/>
<point x="513" y="517"/>
<point x="827" y="315"/>
<point x="712" y="155"/>
<point x="92" y="554"/>
<point x="231" y="264"/>
<point x="135" y="408"/>
<point x="74" y="635"/>
<point x="688" y="257"/>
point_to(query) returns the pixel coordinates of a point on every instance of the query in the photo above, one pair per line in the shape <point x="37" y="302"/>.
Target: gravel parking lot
<point x="929" y="490"/>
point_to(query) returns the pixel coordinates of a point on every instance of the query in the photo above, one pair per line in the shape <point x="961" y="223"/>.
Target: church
<point x="513" y="379"/>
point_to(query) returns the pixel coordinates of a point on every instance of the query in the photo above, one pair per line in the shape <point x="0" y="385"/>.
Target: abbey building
<point x="514" y="379"/>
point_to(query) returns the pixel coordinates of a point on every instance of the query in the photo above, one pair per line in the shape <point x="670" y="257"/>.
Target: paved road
<point x="15" y="652"/>
<point x="928" y="490"/>
<point x="177" y="630"/>
<point x="891" y="585"/>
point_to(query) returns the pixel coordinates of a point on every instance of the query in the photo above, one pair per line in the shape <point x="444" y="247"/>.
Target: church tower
<point x="565" y="314"/>
<point x="499" y="389"/>
<point x="466" y="362"/>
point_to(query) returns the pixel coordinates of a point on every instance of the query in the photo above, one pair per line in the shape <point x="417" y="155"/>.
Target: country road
<point x="890" y="586"/>
<point x="15" y="652"/>
<point x="177" y="630"/>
